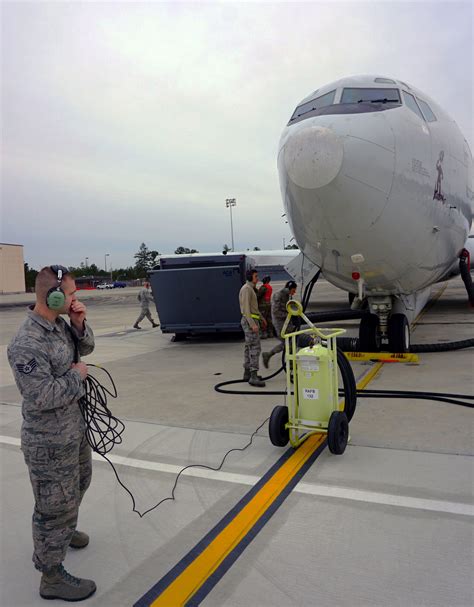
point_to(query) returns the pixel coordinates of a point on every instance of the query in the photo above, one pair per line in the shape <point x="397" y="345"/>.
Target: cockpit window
<point x="412" y="104"/>
<point x="314" y="104"/>
<point x="384" y="81"/>
<point x="372" y="95"/>
<point x="427" y="112"/>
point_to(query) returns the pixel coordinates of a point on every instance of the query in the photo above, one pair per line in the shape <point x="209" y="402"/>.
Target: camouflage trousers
<point x="278" y="325"/>
<point x="145" y="312"/>
<point x="266" y="312"/>
<point x="252" y="346"/>
<point x="60" y="475"/>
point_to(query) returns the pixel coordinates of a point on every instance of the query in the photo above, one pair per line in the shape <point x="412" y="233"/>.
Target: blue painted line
<point x="167" y="579"/>
<point x="227" y="563"/>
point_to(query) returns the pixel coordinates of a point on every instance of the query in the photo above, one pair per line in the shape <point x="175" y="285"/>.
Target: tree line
<point x="145" y="260"/>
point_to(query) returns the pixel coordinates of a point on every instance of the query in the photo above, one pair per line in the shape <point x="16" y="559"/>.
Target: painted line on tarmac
<point x="191" y="580"/>
<point x="317" y="489"/>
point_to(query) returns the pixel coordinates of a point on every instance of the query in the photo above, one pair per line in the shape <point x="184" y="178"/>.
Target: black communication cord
<point x="104" y="431"/>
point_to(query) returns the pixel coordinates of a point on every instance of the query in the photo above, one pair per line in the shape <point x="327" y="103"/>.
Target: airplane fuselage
<point x="378" y="182"/>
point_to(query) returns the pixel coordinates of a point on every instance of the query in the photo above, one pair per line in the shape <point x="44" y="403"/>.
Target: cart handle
<point x="294" y="308"/>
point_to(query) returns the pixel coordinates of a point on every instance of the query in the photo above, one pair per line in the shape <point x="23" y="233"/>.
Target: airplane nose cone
<point x="313" y="157"/>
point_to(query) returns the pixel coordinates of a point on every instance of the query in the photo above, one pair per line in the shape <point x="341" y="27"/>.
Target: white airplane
<point x="377" y="185"/>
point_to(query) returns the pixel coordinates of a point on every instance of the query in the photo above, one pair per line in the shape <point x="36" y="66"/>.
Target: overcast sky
<point x="126" y="122"/>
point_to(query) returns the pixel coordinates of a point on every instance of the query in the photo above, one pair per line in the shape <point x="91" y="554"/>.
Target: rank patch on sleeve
<point x="28" y="368"/>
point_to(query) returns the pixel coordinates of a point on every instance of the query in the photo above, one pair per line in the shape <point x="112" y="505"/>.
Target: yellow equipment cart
<point x="312" y="395"/>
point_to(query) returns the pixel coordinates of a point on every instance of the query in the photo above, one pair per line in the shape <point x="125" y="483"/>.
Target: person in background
<point x="251" y="326"/>
<point x="264" y="296"/>
<point x="145" y="297"/>
<point x="279" y="314"/>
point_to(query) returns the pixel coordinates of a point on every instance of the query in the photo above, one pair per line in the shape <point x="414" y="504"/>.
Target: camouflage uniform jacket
<point x="41" y="355"/>
<point x="145" y="298"/>
<point x="279" y="301"/>
<point x="248" y="304"/>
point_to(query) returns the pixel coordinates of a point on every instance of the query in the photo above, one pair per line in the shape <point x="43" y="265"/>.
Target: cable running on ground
<point x="104" y="431"/>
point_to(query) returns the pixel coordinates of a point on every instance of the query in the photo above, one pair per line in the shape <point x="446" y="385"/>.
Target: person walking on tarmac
<point x="45" y="359"/>
<point x="145" y="297"/>
<point x="251" y="326"/>
<point x="264" y="296"/>
<point x="279" y="314"/>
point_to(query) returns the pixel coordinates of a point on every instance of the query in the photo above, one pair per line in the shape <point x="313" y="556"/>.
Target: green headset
<point x="56" y="298"/>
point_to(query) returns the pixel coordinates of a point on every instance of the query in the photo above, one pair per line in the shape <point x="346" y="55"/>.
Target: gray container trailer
<point x="199" y="294"/>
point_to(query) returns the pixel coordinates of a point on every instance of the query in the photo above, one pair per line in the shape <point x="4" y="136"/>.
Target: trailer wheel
<point x="279" y="435"/>
<point x="338" y="432"/>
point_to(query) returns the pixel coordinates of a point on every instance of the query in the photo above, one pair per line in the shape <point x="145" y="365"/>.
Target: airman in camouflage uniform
<point x="279" y="314"/>
<point x="145" y="298"/>
<point x="251" y="327"/>
<point x="44" y="357"/>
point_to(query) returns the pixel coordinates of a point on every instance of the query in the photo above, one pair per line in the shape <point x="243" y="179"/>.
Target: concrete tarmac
<point x="388" y="523"/>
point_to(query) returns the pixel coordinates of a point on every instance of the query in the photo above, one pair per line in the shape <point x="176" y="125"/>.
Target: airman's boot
<point x="255" y="381"/>
<point x="57" y="583"/>
<point x="246" y="376"/>
<point x="266" y="358"/>
<point x="79" y="540"/>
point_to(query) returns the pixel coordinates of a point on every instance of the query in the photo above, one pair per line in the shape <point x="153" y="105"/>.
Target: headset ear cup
<point x="55" y="299"/>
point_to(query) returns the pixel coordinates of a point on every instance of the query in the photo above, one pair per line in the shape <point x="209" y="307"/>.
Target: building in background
<point x="12" y="268"/>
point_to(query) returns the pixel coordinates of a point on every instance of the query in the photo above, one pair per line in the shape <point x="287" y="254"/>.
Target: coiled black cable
<point x="104" y="431"/>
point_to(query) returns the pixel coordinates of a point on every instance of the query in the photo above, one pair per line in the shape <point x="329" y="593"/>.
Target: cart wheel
<point x="279" y="435"/>
<point x="338" y="432"/>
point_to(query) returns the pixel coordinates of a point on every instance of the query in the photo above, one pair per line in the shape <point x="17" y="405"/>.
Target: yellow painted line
<point x="369" y="376"/>
<point x="193" y="577"/>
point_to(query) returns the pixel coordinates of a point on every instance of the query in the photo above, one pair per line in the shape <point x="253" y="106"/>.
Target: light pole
<point x="105" y="260"/>
<point x="87" y="259"/>
<point x="229" y="203"/>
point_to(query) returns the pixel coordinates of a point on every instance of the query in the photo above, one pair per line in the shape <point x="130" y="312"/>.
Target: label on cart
<point x="309" y="364"/>
<point x="311" y="393"/>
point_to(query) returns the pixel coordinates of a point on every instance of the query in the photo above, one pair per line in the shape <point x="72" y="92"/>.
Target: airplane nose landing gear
<point x="369" y="333"/>
<point x="398" y="333"/>
<point x="381" y="325"/>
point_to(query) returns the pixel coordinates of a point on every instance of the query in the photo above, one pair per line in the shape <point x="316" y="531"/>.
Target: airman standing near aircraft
<point x="44" y="357"/>
<point x="279" y="314"/>
<point x="251" y="326"/>
<point x="264" y="296"/>
<point x="145" y="297"/>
